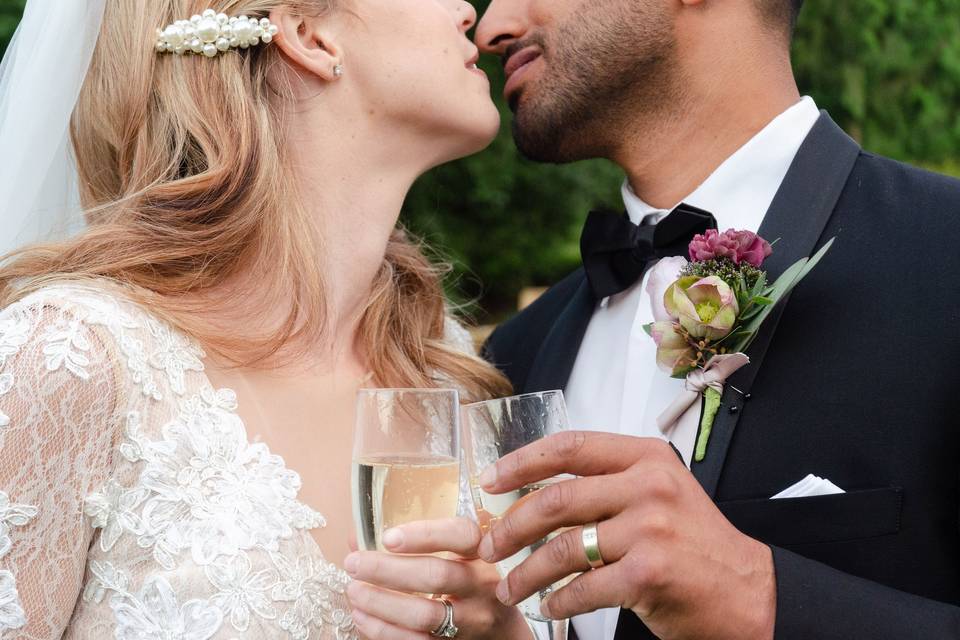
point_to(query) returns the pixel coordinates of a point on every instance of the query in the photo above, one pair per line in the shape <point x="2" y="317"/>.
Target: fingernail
<point x="489" y="476"/>
<point x="503" y="592"/>
<point x="393" y="538"/>
<point x="350" y="564"/>
<point x="485" y="550"/>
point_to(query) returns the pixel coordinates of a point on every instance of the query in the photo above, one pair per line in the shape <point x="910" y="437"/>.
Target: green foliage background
<point x="887" y="70"/>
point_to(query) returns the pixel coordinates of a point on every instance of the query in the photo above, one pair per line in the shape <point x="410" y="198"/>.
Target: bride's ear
<point x="307" y="42"/>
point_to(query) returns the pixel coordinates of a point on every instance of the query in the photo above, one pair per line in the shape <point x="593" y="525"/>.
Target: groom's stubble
<point x="609" y="64"/>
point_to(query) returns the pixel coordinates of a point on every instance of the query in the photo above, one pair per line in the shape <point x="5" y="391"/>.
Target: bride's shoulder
<point x="458" y="336"/>
<point x="76" y="323"/>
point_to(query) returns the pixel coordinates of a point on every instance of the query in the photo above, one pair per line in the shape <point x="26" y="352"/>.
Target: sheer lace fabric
<point x="132" y="504"/>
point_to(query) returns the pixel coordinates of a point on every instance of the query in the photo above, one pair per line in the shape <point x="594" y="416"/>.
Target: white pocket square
<point x="810" y="486"/>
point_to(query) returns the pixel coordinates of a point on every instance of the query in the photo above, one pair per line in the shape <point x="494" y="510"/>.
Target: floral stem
<point x="711" y="406"/>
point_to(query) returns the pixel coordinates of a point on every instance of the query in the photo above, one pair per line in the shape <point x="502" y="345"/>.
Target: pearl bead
<point x="273" y="30"/>
<point x="209" y="50"/>
<point x="196" y="46"/>
<point x="161" y="47"/>
<point x="244" y="45"/>
<point x="208" y="30"/>
<point x="264" y="22"/>
<point x="234" y="42"/>
<point x="243" y="29"/>
<point x="257" y="32"/>
<point x="267" y="38"/>
<point x="222" y="44"/>
<point x="195" y="19"/>
<point x="209" y="13"/>
<point x="222" y="18"/>
<point x="174" y="35"/>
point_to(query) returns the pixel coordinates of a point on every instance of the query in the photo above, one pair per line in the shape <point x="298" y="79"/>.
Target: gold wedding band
<point x="591" y="546"/>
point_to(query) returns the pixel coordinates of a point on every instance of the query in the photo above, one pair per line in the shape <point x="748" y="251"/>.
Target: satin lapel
<point x="554" y="362"/>
<point x="797" y="216"/>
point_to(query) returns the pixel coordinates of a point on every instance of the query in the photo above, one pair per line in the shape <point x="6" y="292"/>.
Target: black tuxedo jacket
<point x="855" y="379"/>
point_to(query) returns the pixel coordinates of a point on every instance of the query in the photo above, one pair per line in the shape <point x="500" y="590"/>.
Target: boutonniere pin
<point x="708" y="310"/>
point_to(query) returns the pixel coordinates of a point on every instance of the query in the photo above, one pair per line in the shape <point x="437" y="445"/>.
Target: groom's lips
<point x="515" y="67"/>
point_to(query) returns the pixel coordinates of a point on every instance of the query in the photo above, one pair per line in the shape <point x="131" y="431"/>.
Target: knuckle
<point x="516" y="463"/>
<point x="438" y="575"/>
<point x="485" y="620"/>
<point x="553" y="499"/>
<point x="578" y="591"/>
<point x="505" y="532"/>
<point x="469" y="532"/>
<point x="568" y="444"/>
<point x="659" y="484"/>
<point x="560" y="549"/>
<point x="657" y="525"/>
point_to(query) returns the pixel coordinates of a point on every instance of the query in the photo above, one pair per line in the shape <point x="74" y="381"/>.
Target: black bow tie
<point x="615" y="251"/>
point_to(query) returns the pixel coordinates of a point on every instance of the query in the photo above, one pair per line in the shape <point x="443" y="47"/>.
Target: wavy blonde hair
<point x="183" y="190"/>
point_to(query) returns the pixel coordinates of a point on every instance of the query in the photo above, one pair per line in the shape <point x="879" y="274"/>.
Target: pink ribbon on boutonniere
<point x="712" y="376"/>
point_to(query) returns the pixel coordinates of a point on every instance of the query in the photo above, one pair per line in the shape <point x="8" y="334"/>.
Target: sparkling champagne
<point x="490" y="508"/>
<point x="393" y="490"/>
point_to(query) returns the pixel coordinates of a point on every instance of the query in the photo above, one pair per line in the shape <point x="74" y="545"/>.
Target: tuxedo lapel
<point x="554" y="361"/>
<point x="796" y="219"/>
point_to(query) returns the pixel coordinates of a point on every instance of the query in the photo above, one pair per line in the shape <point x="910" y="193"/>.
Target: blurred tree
<point x="888" y="71"/>
<point x="10" y="12"/>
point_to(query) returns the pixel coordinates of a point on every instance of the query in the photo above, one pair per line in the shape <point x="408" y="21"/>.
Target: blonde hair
<point x="184" y="189"/>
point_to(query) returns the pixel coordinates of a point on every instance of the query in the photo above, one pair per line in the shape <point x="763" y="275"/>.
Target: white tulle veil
<point x="40" y="79"/>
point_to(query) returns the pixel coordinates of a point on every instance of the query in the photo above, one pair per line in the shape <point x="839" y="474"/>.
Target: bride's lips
<point x="473" y="68"/>
<point x="516" y="66"/>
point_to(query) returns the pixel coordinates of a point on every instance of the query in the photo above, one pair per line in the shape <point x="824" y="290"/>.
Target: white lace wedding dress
<point x="132" y="504"/>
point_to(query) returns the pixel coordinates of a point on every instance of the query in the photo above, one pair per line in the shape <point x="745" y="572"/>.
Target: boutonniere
<point x="708" y="310"/>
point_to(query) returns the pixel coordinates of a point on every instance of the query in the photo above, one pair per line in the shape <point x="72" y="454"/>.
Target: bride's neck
<point x="352" y="187"/>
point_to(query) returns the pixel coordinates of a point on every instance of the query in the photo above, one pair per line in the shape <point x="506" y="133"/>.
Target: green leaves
<point x="751" y="320"/>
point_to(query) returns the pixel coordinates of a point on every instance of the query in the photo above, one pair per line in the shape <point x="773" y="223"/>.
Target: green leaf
<point x="779" y="290"/>
<point x="648" y="329"/>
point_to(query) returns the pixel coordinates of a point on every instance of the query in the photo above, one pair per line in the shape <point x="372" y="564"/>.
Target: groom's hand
<point x="670" y="555"/>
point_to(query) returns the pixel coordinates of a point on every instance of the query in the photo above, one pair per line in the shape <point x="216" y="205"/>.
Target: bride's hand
<point x="386" y="593"/>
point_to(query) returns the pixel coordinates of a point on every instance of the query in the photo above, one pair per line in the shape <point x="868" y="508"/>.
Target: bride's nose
<point x="467" y="15"/>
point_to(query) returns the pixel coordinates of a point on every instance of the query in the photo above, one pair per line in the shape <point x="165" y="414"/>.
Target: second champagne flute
<point x="491" y="430"/>
<point x="406" y="460"/>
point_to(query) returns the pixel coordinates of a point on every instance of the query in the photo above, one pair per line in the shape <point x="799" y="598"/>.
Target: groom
<point x="854" y="379"/>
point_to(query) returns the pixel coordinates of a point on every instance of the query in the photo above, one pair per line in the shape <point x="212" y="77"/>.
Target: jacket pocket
<point x="854" y="515"/>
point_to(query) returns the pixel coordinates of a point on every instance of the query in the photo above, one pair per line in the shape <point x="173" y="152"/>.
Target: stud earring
<point x="338" y="71"/>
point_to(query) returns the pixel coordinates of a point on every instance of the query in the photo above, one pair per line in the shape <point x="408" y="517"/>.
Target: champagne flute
<point x="491" y="430"/>
<point x="406" y="460"/>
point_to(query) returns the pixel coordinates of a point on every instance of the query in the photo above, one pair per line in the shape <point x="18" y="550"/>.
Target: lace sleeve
<point x="457" y="336"/>
<point x="58" y="397"/>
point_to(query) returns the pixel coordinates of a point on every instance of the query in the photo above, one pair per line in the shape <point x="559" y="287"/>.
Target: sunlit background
<point x="887" y="70"/>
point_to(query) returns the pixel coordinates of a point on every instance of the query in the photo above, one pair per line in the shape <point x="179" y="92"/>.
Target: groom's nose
<point x="504" y="22"/>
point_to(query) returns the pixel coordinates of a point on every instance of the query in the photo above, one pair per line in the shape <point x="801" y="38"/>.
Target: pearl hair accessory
<point x="212" y="33"/>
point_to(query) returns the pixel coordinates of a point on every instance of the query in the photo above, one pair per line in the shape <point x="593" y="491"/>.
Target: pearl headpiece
<point x="212" y="33"/>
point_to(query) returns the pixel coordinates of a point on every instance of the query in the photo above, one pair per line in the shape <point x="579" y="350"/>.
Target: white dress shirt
<point x="615" y="384"/>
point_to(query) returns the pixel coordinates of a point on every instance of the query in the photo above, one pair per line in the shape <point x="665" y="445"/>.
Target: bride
<point x="177" y="380"/>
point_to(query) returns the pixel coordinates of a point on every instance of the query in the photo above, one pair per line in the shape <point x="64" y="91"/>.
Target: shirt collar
<point x="740" y="190"/>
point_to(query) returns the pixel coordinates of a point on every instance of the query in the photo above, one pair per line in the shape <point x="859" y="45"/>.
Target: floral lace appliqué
<point x="12" y="615"/>
<point x="152" y="612"/>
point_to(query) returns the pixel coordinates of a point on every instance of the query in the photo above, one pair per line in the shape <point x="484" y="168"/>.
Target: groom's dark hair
<point x="781" y="14"/>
